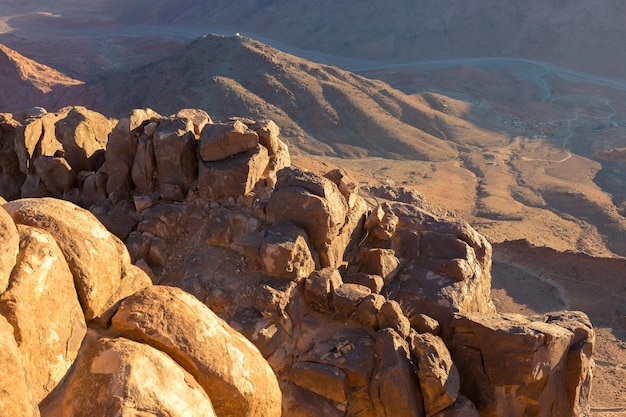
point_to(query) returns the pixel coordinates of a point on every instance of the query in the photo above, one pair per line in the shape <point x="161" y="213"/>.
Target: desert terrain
<point x="529" y="151"/>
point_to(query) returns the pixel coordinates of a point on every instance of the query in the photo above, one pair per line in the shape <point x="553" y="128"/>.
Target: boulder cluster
<point x="360" y="306"/>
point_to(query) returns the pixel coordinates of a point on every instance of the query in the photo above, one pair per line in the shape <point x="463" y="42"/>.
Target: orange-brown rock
<point x="90" y="250"/>
<point x="382" y="222"/>
<point x="16" y="395"/>
<point x="232" y="177"/>
<point x="518" y="366"/>
<point x="221" y="140"/>
<point x="461" y="408"/>
<point x="11" y="178"/>
<point x="227" y="366"/>
<point x="122" y="146"/>
<point x="394" y="388"/>
<point x="313" y="203"/>
<point x="391" y="316"/>
<point x="175" y="151"/>
<point x="347" y="297"/>
<point x="438" y="375"/>
<point x="9" y="242"/>
<point x="120" y="377"/>
<point x="285" y="253"/>
<point x="325" y="380"/>
<point x="57" y="175"/>
<point x="42" y="306"/>
<point x="319" y="287"/>
<point x="83" y="133"/>
<point x="143" y="171"/>
<point x="382" y="262"/>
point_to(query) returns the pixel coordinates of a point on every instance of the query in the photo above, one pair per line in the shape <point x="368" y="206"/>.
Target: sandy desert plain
<point x="540" y="170"/>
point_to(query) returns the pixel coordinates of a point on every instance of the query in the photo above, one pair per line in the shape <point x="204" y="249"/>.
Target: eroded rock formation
<point x="360" y="310"/>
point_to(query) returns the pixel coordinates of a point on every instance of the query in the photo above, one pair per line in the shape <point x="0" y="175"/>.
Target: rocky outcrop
<point x="360" y="310"/>
<point x="64" y="358"/>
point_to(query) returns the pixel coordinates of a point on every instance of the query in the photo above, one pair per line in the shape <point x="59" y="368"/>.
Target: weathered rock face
<point x="118" y="377"/>
<point x="10" y="240"/>
<point x="224" y="363"/>
<point x="361" y="311"/>
<point x="514" y="365"/>
<point x="90" y="250"/>
<point x="16" y="396"/>
<point x="42" y="306"/>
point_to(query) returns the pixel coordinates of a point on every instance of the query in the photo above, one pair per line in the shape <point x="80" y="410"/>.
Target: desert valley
<point x="491" y="136"/>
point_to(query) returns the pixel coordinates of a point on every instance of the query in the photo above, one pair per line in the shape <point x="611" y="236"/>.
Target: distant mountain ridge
<point x="575" y="34"/>
<point x="323" y="109"/>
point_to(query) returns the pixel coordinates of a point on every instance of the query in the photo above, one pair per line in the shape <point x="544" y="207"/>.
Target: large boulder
<point x="42" y="305"/>
<point x="9" y="241"/>
<point x="313" y="203"/>
<point x="394" y="388"/>
<point x="83" y="134"/>
<point x="144" y="168"/>
<point x="92" y="253"/>
<point x="175" y="152"/>
<point x="232" y="177"/>
<point x="227" y="366"/>
<point x="11" y="178"/>
<point x="285" y="254"/>
<point x="438" y="375"/>
<point x="518" y="366"/>
<point x="122" y="146"/>
<point x="16" y="396"/>
<point x="119" y="377"/>
<point x="222" y="140"/>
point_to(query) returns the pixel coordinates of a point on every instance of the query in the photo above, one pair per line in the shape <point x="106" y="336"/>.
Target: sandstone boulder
<point x="319" y="286"/>
<point x="233" y="177"/>
<point x="83" y="134"/>
<point x="36" y="137"/>
<point x="382" y="262"/>
<point x="325" y="380"/>
<point x="16" y="396"/>
<point x="225" y="364"/>
<point x="199" y="118"/>
<point x="438" y="375"/>
<point x="512" y="365"/>
<point x="374" y="282"/>
<point x="391" y="316"/>
<point x="221" y="140"/>
<point x="42" y="305"/>
<point x="382" y="222"/>
<point x="285" y="253"/>
<point x="122" y="146"/>
<point x="9" y="242"/>
<point x="11" y="178"/>
<point x="175" y="152"/>
<point x="313" y="203"/>
<point x="144" y="168"/>
<point x="347" y="297"/>
<point x="367" y="311"/>
<point x="394" y="388"/>
<point x="461" y="408"/>
<point x="55" y="173"/>
<point x="89" y="249"/>
<point x="119" y="377"/>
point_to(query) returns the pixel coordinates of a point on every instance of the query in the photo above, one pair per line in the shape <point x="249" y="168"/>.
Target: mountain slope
<point x="27" y="83"/>
<point x="322" y="109"/>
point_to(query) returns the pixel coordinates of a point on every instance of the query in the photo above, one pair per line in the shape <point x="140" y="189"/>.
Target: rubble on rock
<point x="359" y="310"/>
